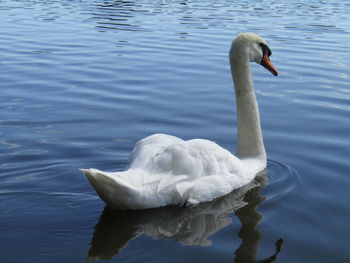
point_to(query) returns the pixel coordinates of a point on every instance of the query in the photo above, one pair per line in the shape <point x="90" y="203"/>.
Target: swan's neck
<point x="249" y="137"/>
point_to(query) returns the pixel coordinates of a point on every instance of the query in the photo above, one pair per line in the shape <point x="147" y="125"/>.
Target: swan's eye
<point x="265" y="49"/>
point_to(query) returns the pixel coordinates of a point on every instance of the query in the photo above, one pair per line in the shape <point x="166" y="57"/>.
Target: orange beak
<point x="266" y="63"/>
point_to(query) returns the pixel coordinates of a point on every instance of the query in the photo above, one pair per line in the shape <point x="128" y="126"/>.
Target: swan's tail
<point x="112" y="191"/>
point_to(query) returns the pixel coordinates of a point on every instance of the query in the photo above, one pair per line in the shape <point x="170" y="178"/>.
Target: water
<point x="82" y="81"/>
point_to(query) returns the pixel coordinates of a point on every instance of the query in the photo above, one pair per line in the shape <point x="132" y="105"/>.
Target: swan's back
<point x="149" y="147"/>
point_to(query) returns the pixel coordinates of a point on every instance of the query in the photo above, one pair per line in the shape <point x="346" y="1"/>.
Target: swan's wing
<point x="148" y="148"/>
<point x="197" y="169"/>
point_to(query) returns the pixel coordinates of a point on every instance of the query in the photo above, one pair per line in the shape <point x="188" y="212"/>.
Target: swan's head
<point x="254" y="48"/>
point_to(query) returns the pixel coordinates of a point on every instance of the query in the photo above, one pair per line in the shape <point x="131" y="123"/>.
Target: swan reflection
<point x="186" y="225"/>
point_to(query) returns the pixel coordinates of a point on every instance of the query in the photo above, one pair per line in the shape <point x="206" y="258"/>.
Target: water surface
<point x="82" y="82"/>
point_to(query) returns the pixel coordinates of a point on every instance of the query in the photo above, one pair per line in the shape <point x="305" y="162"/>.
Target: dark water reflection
<point x="186" y="225"/>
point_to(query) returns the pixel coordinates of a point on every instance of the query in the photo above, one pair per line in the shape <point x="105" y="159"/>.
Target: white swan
<point x="166" y="170"/>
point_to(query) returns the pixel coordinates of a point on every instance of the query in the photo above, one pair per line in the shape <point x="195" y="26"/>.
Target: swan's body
<point x="166" y="170"/>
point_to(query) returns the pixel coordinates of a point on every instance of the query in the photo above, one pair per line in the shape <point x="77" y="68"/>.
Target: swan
<point x="166" y="170"/>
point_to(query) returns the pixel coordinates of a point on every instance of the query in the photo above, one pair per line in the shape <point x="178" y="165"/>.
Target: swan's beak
<point x="266" y="63"/>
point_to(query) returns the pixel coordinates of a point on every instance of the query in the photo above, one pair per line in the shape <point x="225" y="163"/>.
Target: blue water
<point x="83" y="81"/>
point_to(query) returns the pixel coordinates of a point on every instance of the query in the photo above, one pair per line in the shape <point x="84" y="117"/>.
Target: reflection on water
<point x="138" y="16"/>
<point x="250" y="236"/>
<point x="186" y="225"/>
<point x="118" y="15"/>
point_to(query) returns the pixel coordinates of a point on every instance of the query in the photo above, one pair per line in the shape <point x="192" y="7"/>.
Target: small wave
<point x="282" y="179"/>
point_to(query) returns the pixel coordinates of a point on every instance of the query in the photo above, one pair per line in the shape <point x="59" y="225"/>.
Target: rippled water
<point x="82" y="81"/>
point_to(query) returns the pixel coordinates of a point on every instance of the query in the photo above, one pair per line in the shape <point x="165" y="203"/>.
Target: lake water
<point x="83" y="81"/>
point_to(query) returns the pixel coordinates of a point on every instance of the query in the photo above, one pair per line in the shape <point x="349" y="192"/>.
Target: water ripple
<point x="82" y="81"/>
<point x="282" y="180"/>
